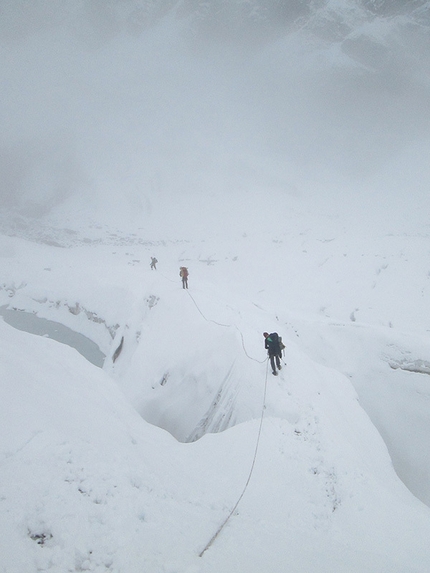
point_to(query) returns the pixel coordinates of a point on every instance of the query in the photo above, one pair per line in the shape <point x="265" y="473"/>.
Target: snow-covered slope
<point x="279" y="150"/>
<point x="88" y="485"/>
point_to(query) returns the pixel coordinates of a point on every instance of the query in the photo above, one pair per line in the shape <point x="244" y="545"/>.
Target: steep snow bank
<point x="86" y="484"/>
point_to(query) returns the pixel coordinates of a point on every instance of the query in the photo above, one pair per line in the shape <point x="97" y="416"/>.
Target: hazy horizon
<point x="139" y="100"/>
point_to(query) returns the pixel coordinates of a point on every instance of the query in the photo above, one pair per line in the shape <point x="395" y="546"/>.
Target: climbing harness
<point x="221" y="527"/>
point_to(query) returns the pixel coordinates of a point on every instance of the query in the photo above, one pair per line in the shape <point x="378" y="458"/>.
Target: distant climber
<point x="274" y="346"/>
<point x="153" y="263"/>
<point x="183" y="273"/>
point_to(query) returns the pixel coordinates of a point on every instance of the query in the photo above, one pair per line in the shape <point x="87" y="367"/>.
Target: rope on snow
<point x="220" y="324"/>
<point x="221" y="527"/>
<point x="227" y="326"/>
<point x="207" y="319"/>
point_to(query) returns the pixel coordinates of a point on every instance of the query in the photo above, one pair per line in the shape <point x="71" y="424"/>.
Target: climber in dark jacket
<point x="273" y="345"/>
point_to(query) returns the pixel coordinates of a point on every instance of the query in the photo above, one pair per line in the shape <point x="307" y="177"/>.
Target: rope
<point x="227" y="326"/>
<point x="221" y="324"/>
<point x="244" y="349"/>
<point x="207" y="319"/>
<point x="167" y="278"/>
<point x="221" y="527"/>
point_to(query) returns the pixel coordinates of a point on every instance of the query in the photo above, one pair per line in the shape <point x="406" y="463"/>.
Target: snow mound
<point x="87" y="484"/>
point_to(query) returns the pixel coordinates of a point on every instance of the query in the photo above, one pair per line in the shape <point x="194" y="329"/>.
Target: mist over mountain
<point x="137" y="104"/>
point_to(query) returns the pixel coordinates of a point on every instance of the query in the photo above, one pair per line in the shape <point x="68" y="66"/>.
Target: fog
<point x="139" y="104"/>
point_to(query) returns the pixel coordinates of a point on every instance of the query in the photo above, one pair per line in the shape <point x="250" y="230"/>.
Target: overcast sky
<point x="103" y="98"/>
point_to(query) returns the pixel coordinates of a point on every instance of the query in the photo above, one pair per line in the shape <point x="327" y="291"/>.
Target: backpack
<point x="277" y="341"/>
<point x="183" y="272"/>
<point x="274" y="337"/>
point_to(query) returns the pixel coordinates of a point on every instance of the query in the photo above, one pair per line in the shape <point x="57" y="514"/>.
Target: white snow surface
<point x="134" y="467"/>
<point x="279" y="150"/>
